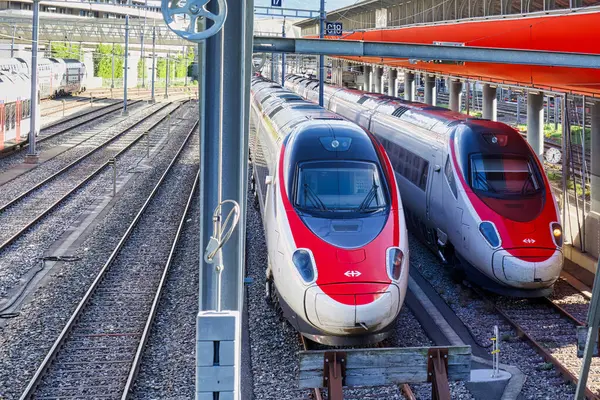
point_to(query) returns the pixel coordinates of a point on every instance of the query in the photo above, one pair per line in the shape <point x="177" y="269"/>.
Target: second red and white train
<point x="472" y="188"/>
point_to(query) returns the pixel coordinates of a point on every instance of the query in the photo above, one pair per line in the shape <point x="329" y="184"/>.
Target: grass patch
<point x="546" y="366"/>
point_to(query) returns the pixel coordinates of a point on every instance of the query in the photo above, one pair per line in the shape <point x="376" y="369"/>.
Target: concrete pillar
<point x="368" y="72"/>
<point x="430" y="90"/>
<point x="535" y="122"/>
<point x="409" y="86"/>
<point x="490" y="103"/>
<point x="381" y="82"/>
<point x="595" y="156"/>
<point x="375" y="86"/>
<point x="455" y="95"/>
<point x="392" y="77"/>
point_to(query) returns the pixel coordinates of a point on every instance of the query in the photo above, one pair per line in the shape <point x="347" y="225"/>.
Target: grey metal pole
<point x="142" y="58"/>
<point x="283" y="55"/>
<point x="167" y="77"/>
<point x="126" y="65"/>
<point x="211" y="131"/>
<point x="152" y="99"/>
<point x="32" y="155"/>
<point x="112" y="85"/>
<point x="273" y="66"/>
<point x="321" y="57"/>
<point x="12" y="43"/>
<point x="556" y="102"/>
<point x="593" y="322"/>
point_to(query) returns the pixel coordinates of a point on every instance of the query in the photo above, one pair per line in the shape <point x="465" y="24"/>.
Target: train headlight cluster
<point x="303" y="261"/>
<point x="490" y="233"/>
<point x="557" y="233"/>
<point x="394" y="262"/>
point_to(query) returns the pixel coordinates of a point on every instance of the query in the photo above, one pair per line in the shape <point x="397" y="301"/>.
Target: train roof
<point x="434" y="118"/>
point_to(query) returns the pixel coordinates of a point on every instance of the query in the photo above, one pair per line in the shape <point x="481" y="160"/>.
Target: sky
<point x="309" y="4"/>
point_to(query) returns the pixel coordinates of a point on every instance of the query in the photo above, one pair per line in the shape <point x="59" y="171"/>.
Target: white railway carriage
<point x="15" y="108"/>
<point x="13" y="66"/>
<point x="333" y="217"/>
<point x="474" y="190"/>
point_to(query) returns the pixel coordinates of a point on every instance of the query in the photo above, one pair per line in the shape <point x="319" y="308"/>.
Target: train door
<point x="435" y="198"/>
<point x="18" y="116"/>
<point x="2" y="122"/>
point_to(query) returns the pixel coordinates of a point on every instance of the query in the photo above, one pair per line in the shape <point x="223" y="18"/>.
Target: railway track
<point x="69" y="105"/>
<point x="44" y="197"/>
<point x="98" y="352"/>
<point x="65" y="125"/>
<point x="549" y="325"/>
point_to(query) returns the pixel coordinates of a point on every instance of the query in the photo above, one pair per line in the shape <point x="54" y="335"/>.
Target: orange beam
<point x="574" y="32"/>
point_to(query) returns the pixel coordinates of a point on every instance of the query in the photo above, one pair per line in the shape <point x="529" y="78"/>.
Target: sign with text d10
<point x="333" y="28"/>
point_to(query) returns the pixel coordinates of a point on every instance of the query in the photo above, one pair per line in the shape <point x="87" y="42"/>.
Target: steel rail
<point x="39" y="374"/>
<point x="73" y="104"/>
<point x="48" y="210"/>
<point x="86" y="155"/>
<point x="147" y="328"/>
<point x="407" y="392"/>
<point x="536" y="345"/>
<point x="561" y="310"/>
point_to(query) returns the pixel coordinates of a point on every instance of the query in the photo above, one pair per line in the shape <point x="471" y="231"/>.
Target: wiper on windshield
<point x="369" y="197"/>
<point x="314" y="198"/>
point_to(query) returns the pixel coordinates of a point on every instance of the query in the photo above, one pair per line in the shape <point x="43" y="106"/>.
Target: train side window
<point x="450" y="177"/>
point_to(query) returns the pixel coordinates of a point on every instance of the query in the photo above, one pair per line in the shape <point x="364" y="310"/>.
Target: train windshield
<point x="343" y="187"/>
<point x="500" y="175"/>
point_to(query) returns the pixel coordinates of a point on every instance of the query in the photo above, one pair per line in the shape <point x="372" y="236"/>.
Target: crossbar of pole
<point x="285" y="12"/>
<point x="424" y="52"/>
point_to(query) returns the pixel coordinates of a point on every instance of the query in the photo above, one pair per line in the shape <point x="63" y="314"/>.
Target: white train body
<point x="334" y="224"/>
<point x="472" y="188"/>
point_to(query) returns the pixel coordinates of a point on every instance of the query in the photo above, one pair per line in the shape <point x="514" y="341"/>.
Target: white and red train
<point x="55" y="77"/>
<point x="473" y="189"/>
<point x="333" y="218"/>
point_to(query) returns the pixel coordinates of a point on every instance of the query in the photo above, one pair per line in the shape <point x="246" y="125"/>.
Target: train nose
<point x="528" y="268"/>
<point x="352" y="308"/>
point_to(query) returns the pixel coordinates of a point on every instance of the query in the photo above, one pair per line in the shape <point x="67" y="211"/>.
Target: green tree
<point x="141" y="67"/>
<point x="161" y="67"/>
<point x="65" y="50"/>
<point x="103" y="60"/>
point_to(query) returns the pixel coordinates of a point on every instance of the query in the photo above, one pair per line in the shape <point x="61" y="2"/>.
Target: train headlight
<point x="395" y="256"/>
<point x="304" y="263"/>
<point x="490" y="233"/>
<point x="557" y="233"/>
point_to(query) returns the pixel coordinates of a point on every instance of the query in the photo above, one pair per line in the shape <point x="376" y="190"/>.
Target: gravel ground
<point x="122" y="300"/>
<point x="274" y="345"/>
<point x="25" y="340"/>
<point x="167" y="370"/>
<point x="22" y="256"/>
<point x="543" y="382"/>
<point x="571" y="300"/>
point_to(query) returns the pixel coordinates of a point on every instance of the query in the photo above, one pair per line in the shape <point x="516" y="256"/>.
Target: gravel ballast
<point x="26" y="339"/>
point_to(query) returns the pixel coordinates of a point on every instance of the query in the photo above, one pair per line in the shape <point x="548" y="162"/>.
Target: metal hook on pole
<point x="221" y="234"/>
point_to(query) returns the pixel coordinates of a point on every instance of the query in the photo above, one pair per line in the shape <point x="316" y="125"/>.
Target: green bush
<point x="65" y="50"/>
<point x="103" y="60"/>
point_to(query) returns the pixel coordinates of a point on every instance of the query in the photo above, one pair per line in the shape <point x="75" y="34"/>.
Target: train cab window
<point x="339" y="188"/>
<point x="500" y="175"/>
<point x="450" y="177"/>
